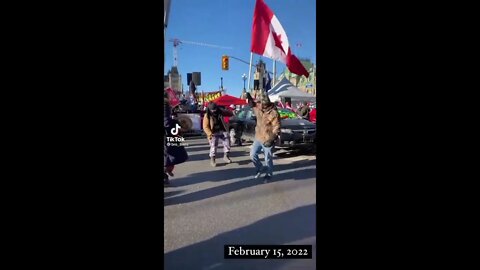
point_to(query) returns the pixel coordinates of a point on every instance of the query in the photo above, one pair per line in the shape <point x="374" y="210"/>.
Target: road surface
<point x="208" y="207"/>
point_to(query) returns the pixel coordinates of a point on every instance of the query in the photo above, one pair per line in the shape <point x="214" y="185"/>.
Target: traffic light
<point x="225" y="62"/>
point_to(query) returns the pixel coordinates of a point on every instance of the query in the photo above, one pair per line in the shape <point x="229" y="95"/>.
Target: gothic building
<point x="174" y="80"/>
<point x="309" y="84"/>
<point x="258" y="79"/>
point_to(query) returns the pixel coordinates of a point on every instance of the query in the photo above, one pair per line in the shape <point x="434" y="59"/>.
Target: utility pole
<point x="244" y="77"/>
<point x="314" y="81"/>
<point x="261" y="66"/>
<point x="274" y="73"/>
<point x="221" y="86"/>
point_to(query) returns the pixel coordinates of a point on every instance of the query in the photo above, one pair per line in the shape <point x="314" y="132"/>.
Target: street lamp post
<point x="244" y="77"/>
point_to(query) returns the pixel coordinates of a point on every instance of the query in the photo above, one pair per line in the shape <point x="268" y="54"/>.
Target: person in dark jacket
<point x="172" y="154"/>
<point x="168" y="124"/>
<point x="216" y="130"/>
<point x="304" y="111"/>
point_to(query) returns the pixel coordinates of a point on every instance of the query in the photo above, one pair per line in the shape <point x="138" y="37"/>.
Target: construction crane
<point x="177" y="42"/>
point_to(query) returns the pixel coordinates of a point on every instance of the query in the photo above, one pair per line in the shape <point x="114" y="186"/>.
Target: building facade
<point x="303" y="83"/>
<point x="173" y="80"/>
<point x="258" y="78"/>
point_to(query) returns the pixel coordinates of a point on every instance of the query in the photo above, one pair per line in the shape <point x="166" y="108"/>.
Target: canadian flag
<point x="270" y="40"/>
<point x="174" y="101"/>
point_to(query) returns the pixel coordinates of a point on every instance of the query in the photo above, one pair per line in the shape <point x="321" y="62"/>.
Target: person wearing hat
<point x="304" y="111"/>
<point x="234" y="133"/>
<point x="217" y="130"/>
<point x="231" y="109"/>
<point x="266" y="132"/>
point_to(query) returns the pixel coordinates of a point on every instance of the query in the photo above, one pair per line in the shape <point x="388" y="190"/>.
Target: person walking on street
<point x="267" y="130"/>
<point x="304" y="111"/>
<point x="172" y="155"/>
<point x="217" y="130"/>
<point x="168" y="124"/>
<point x="232" y="133"/>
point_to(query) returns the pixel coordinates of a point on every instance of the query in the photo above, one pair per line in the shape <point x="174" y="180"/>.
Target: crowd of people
<point x="305" y="110"/>
<point x="216" y="127"/>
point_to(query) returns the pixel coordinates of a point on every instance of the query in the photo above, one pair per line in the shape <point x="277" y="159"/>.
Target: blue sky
<point x="228" y="23"/>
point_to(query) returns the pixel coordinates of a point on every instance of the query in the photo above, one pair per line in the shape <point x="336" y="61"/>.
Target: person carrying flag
<point x="266" y="132"/>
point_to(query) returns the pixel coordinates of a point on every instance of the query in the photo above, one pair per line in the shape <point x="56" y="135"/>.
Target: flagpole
<point x="250" y="71"/>
<point x="274" y="72"/>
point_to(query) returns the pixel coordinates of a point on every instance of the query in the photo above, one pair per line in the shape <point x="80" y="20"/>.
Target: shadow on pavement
<point x="229" y="173"/>
<point x="198" y="148"/>
<point x="241" y="152"/>
<point x="204" y="156"/>
<point x="283" y="228"/>
<point x="301" y="174"/>
<point x="293" y="153"/>
<point x="167" y="194"/>
<point x="206" y="147"/>
<point x="196" y="142"/>
<point x="243" y="162"/>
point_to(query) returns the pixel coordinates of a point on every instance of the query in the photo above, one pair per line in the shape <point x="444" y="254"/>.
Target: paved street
<point x="207" y="207"/>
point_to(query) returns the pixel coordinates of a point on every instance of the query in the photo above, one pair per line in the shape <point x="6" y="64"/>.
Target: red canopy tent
<point x="228" y="100"/>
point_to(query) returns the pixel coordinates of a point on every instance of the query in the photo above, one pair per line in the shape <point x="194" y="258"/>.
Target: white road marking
<point x="292" y="159"/>
<point x="213" y="266"/>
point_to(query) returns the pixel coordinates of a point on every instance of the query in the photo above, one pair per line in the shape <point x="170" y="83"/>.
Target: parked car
<point x="295" y="131"/>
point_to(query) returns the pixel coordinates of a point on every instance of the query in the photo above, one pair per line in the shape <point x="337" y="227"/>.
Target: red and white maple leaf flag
<point x="270" y="40"/>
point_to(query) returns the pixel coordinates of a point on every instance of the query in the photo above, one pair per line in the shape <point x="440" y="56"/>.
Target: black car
<point x="295" y="131"/>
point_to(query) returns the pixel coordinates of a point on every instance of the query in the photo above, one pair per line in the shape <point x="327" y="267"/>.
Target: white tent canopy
<point x="285" y="89"/>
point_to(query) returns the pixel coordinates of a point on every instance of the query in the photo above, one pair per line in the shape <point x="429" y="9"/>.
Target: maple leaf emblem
<point x="278" y="40"/>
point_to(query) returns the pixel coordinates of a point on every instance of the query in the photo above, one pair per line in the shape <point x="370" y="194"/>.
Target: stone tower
<point x="258" y="78"/>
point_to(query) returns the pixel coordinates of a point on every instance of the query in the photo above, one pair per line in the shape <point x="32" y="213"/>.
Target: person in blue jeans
<point x="267" y="130"/>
